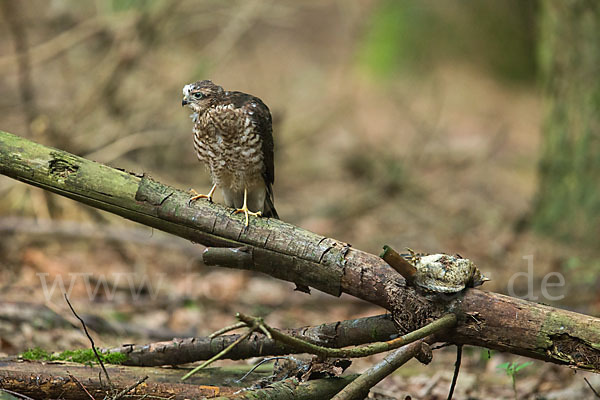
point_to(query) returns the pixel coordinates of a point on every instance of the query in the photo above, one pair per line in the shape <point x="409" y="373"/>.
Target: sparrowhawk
<point x="233" y="137"/>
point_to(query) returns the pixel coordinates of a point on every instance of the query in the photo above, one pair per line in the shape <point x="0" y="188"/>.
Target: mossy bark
<point x="568" y="198"/>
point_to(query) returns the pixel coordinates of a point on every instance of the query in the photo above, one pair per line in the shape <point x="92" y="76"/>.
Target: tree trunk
<point x="568" y="199"/>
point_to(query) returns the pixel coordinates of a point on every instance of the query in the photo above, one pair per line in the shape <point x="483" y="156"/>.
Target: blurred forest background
<point x="410" y="123"/>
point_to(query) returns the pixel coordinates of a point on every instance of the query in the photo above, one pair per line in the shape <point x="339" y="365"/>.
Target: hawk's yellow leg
<point x="245" y="209"/>
<point x="197" y="196"/>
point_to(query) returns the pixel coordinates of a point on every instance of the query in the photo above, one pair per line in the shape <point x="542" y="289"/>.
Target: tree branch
<point x="293" y="254"/>
<point x="445" y="322"/>
<point x="378" y="328"/>
<point x="359" y="388"/>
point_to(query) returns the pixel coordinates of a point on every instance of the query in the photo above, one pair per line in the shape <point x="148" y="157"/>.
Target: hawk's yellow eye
<point x="197" y="95"/>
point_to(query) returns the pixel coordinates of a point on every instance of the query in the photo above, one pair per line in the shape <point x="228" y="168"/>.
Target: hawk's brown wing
<point x="259" y="113"/>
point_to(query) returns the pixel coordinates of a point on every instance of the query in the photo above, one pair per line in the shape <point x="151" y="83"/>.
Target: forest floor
<point x="450" y="204"/>
<point x="441" y="163"/>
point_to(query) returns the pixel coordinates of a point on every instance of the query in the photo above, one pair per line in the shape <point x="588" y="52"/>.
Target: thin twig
<point x="217" y="356"/>
<point x="264" y="330"/>
<point x="227" y="329"/>
<point x="591" y="387"/>
<point x="80" y="385"/>
<point x="123" y="392"/>
<point x="91" y="340"/>
<point x="456" y="370"/>
<point x="16" y="394"/>
<point x="264" y="360"/>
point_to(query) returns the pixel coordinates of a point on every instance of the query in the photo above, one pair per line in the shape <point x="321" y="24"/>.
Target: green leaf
<point x="520" y="367"/>
<point x="504" y="366"/>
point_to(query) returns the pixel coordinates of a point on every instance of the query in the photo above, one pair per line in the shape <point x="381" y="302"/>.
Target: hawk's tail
<point x="269" y="208"/>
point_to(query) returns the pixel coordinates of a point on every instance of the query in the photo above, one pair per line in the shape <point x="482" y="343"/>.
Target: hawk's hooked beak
<point x="184" y="102"/>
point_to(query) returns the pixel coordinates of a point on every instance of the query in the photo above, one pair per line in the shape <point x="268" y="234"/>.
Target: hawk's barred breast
<point x="227" y="140"/>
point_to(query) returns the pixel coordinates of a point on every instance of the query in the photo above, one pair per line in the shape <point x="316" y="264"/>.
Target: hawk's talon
<point x="196" y="195"/>
<point x="199" y="196"/>
<point x="245" y="209"/>
<point x="247" y="212"/>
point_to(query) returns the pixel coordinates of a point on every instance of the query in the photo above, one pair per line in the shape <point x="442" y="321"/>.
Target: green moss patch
<point x="81" y="356"/>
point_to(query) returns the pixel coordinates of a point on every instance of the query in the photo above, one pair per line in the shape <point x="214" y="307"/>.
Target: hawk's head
<point x="201" y="95"/>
